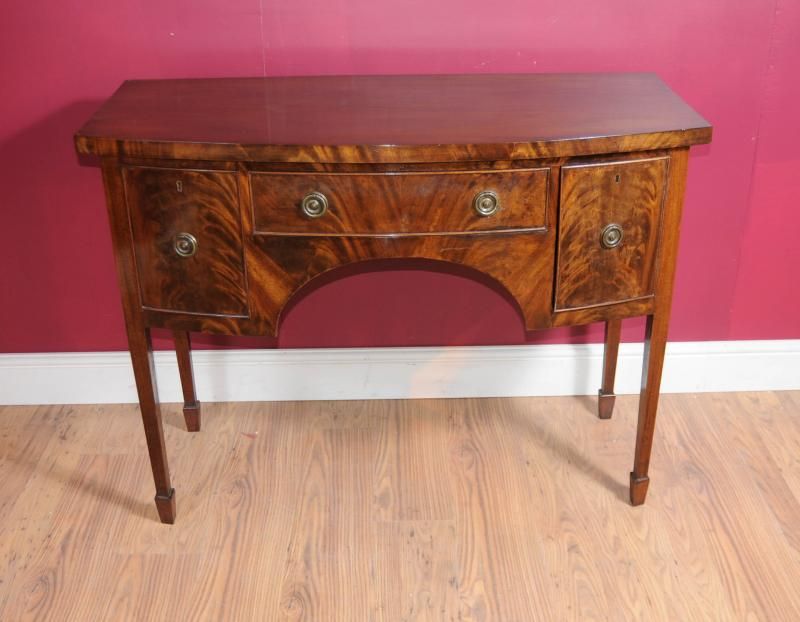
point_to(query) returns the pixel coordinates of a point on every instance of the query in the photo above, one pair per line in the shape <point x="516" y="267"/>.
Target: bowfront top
<point x="392" y="118"/>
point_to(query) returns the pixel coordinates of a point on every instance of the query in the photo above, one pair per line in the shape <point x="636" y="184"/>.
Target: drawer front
<point x="187" y="239"/>
<point x="399" y="203"/>
<point x="609" y="222"/>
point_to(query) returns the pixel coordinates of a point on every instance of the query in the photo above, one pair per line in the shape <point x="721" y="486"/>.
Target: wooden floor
<point x="493" y="509"/>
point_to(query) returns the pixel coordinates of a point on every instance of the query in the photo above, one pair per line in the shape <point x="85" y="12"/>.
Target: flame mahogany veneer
<point x="227" y="196"/>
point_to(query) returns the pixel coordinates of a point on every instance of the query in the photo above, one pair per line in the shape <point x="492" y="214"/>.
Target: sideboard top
<point x="392" y="118"/>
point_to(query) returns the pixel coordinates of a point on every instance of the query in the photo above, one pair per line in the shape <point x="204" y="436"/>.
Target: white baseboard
<point x="387" y="373"/>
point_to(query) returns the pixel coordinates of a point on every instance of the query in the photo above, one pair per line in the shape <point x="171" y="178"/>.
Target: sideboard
<point x="228" y="196"/>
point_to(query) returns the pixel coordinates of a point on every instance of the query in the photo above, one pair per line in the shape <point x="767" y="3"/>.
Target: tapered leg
<point x="606" y="395"/>
<point x="191" y="406"/>
<point x="142" y="358"/>
<point x="138" y="338"/>
<point x="655" y="342"/>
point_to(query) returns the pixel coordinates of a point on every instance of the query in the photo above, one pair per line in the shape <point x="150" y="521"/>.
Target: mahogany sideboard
<point x="227" y="196"/>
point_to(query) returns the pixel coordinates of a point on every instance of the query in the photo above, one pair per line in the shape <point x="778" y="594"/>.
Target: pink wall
<point x="736" y="63"/>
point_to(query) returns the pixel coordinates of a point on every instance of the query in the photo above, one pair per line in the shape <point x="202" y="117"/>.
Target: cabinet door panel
<point x="197" y="213"/>
<point x="623" y="198"/>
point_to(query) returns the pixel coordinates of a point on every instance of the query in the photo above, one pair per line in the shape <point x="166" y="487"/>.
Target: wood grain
<point x="139" y="339"/>
<point x="392" y="118"/>
<point x="522" y="264"/>
<point x="164" y="202"/>
<point x="400" y="159"/>
<point x="626" y="193"/>
<point x="278" y="522"/>
<point x="399" y="202"/>
<point x="657" y="325"/>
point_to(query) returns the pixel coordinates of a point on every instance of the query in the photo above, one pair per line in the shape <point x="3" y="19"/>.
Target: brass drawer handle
<point x="314" y="204"/>
<point x="611" y="236"/>
<point x="486" y="203"/>
<point x="185" y="244"/>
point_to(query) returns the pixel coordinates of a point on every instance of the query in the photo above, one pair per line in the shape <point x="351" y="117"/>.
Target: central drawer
<point x="399" y="203"/>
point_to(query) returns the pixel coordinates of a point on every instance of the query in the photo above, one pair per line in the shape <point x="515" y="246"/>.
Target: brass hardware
<point x="179" y="186"/>
<point x="314" y="204"/>
<point x="185" y="244"/>
<point x="486" y="203"/>
<point x="611" y="236"/>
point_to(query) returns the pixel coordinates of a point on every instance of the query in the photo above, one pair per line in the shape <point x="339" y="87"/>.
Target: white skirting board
<point x="390" y="373"/>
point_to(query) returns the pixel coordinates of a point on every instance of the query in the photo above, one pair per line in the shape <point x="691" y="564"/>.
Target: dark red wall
<point x="736" y="63"/>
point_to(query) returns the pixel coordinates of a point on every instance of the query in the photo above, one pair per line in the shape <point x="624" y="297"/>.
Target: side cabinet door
<point x="609" y="223"/>
<point x="187" y="237"/>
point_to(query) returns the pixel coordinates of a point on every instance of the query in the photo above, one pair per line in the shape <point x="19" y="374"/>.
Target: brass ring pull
<point x="611" y="236"/>
<point x="185" y="244"/>
<point x="486" y="203"/>
<point x="314" y="204"/>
